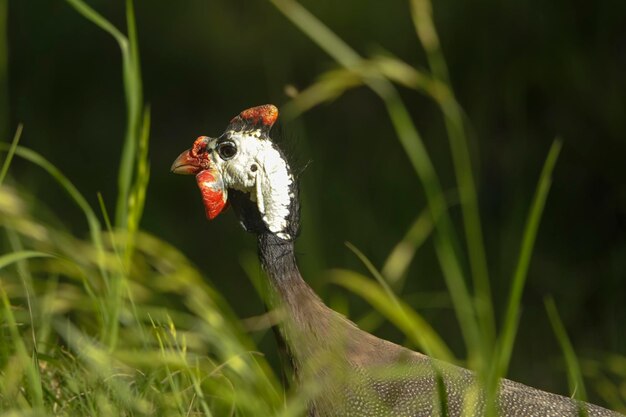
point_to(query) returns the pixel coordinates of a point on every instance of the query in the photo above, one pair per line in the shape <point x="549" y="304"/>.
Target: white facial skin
<point x="249" y="162"/>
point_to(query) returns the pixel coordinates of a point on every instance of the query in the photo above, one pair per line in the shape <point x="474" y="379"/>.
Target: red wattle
<point x="213" y="193"/>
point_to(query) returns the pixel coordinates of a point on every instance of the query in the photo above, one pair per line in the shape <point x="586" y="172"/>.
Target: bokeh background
<point x="524" y="72"/>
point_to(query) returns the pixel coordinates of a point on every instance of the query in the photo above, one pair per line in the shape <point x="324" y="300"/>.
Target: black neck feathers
<point x="277" y="257"/>
<point x="251" y="220"/>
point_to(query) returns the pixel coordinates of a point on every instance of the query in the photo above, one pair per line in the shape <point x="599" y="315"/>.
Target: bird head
<point x="244" y="167"/>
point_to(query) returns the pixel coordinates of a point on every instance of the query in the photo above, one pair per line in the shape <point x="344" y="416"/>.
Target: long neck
<point x="278" y="258"/>
<point x="306" y="322"/>
<point x="279" y="262"/>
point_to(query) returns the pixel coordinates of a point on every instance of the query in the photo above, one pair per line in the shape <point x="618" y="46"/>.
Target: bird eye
<point x="227" y="150"/>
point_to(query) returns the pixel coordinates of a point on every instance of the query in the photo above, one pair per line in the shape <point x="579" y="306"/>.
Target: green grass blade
<point x="134" y="55"/>
<point x="133" y="101"/>
<point x="574" y="376"/>
<point x="109" y="228"/>
<point x="422" y="15"/>
<point x="407" y="319"/>
<point x="318" y="32"/>
<point x="400" y="257"/>
<point x="97" y="19"/>
<point x="133" y="171"/>
<point x="101" y="364"/>
<point x="445" y="235"/>
<point x="133" y="93"/>
<point x="10" y="153"/>
<point x="132" y="34"/>
<point x="66" y="184"/>
<point x="329" y="86"/>
<point x="414" y="147"/>
<point x="29" y="364"/>
<point x="427" y="34"/>
<point x="510" y="324"/>
<point x="471" y="220"/>
<point x="14" y="257"/>
<point x="26" y="278"/>
<point x="137" y="195"/>
<point x="401" y="315"/>
<point x="134" y="105"/>
<point x="377" y="275"/>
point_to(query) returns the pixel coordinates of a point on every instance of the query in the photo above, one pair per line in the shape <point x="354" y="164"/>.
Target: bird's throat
<point x="303" y="314"/>
<point x="278" y="259"/>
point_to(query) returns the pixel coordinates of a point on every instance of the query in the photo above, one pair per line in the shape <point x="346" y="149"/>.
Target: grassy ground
<point x="121" y="323"/>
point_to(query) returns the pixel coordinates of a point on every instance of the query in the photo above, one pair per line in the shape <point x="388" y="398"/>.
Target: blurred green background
<point x="524" y="72"/>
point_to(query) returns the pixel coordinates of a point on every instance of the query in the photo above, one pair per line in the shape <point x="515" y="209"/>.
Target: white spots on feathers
<point x="269" y="184"/>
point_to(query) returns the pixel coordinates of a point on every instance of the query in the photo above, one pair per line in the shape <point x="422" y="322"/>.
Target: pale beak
<point x="186" y="164"/>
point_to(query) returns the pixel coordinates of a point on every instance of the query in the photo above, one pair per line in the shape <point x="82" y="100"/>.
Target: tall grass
<point x="122" y="323"/>
<point x="86" y="327"/>
<point x="133" y="172"/>
<point x="489" y="352"/>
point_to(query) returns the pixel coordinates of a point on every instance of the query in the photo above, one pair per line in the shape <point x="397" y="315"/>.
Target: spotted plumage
<point x="354" y="373"/>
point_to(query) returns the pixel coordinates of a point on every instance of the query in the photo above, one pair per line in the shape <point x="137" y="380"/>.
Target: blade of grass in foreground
<point x="10" y="153"/>
<point x="574" y="376"/>
<point x="510" y="325"/>
<point x="13" y="257"/>
<point x="28" y="364"/>
<point x="77" y="197"/>
<point x="133" y="90"/>
<point x="137" y="195"/>
<point x="418" y="156"/>
<point x="427" y="34"/>
<point x="101" y="364"/>
<point x="397" y="312"/>
<point x="133" y="169"/>
<point x="133" y="93"/>
<point x="400" y="257"/>
<point x="65" y="183"/>
<point x="429" y="339"/>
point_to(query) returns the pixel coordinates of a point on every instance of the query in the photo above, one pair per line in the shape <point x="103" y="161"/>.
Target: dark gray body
<point x="361" y="375"/>
<point x="348" y="368"/>
<point x="411" y="389"/>
<point x="418" y="396"/>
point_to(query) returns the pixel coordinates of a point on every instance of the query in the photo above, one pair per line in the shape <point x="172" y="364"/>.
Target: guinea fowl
<point x="358" y="374"/>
